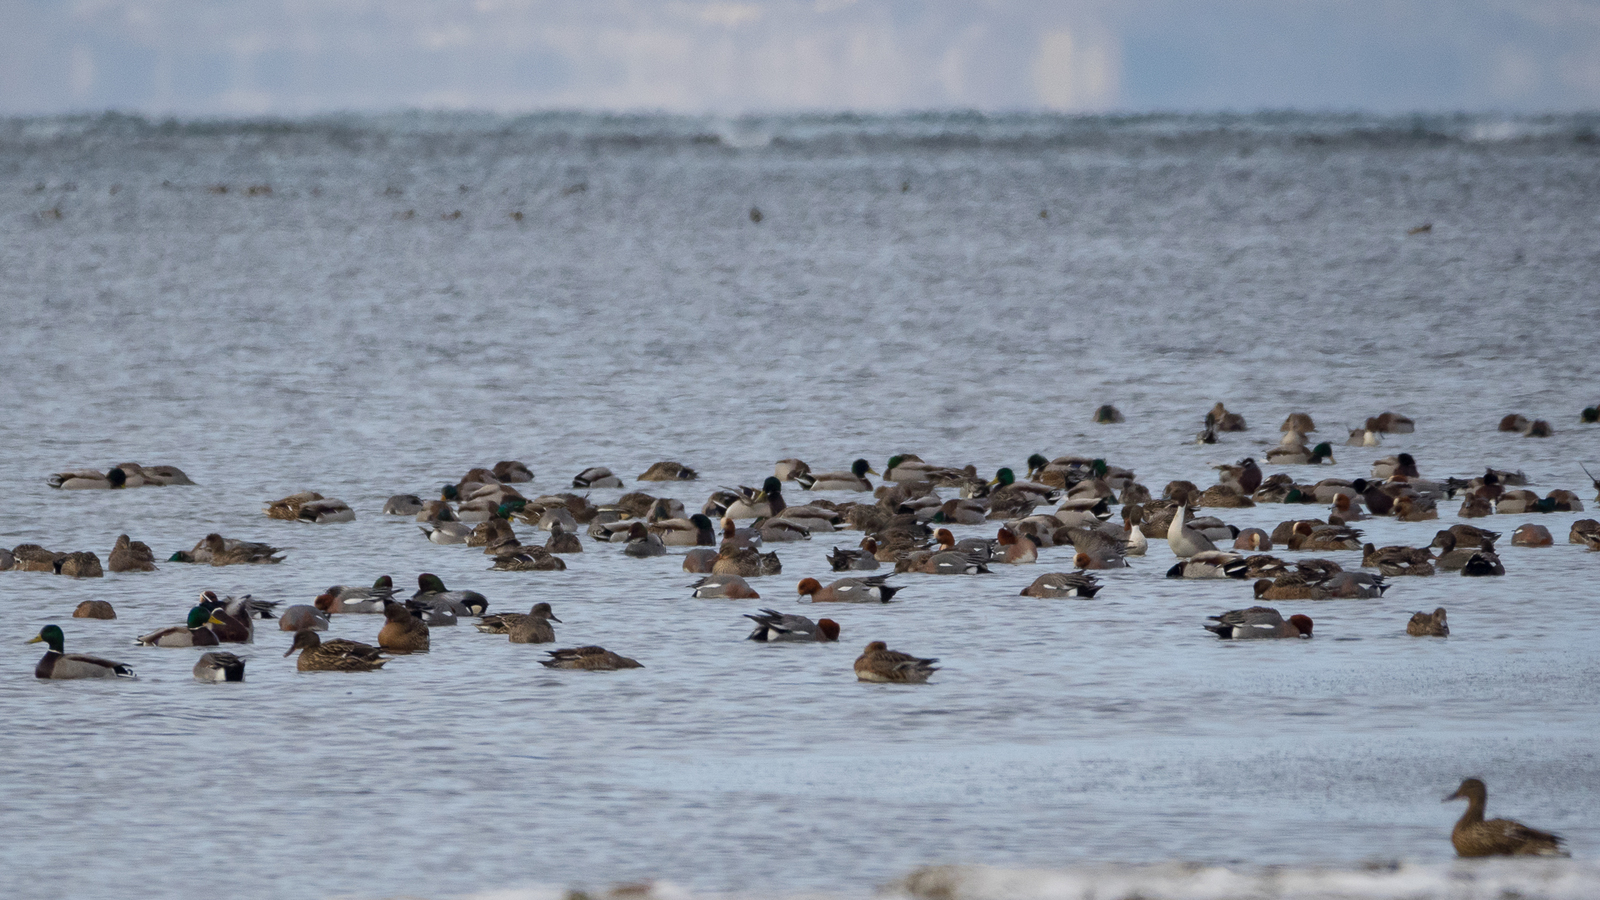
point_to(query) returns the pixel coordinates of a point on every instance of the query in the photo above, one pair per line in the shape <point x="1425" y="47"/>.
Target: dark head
<point x="893" y="461"/>
<point x="430" y="583"/>
<point x="1322" y="451"/>
<point x="542" y="611"/>
<point x="1262" y="585"/>
<point x="396" y="612"/>
<point x="1361" y="485"/>
<point x="52" y="635"/>
<point x="1037" y="462"/>
<point x="304" y="639"/>
<point x="449" y="492"/>
<point x="701" y="521"/>
<point x="861" y="468"/>
<point x="1471" y="790"/>
<point x="1590" y="415"/>
<point x="384" y="583"/>
<point x="772" y="487"/>
<point x="117" y="477"/>
<point x="198" y="617"/>
<point x="1303" y="623"/>
<point x="1004" y="476"/>
<point x="829" y="629"/>
<point x="637" y="532"/>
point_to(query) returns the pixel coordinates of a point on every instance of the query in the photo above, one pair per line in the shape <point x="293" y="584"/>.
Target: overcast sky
<point x="241" y="57"/>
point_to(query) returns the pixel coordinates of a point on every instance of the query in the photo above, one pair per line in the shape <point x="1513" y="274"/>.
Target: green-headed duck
<point x="853" y="480"/>
<point x="57" y="665"/>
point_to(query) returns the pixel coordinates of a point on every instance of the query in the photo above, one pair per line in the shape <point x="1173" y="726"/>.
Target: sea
<point x="368" y="305"/>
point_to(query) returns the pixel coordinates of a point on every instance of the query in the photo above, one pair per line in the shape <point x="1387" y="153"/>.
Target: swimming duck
<point x="774" y="627"/>
<point x="338" y="655"/>
<point x="1391" y="423"/>
<point x="1183" y="540"/>
<point x="596" y="477"/>
<point x="788" y="469"/>
<point x="1582" y="530"/>
<point x="853" y="480"/>
<point x="342" y="599"/>
<point x="195" y="633"/>
<point x="1415" y="509"/>
<point x="1475" y="508"/>
<point x="1210" y="564"/>
<point x="877" y="663"/>
<point x="89" y="480"/>
<point x="33" y="558"/>
<point x="1538" y="428"/>
<point x="1397" y="561"/>
<point x="402" y="505"/>
<point x="563" y="541"/>
<point x="511" y="471"/>
<point x="1483" y="563"/>
<point x="952" y="562"/>
<point x="131" y="556"/>
<point x="1428" y="624"/>
<point x="1252" y="540"/>
<point x="160" y="476"/>
<point x="94" y="609"/>
<point x="1258" y="622"/>
<point x="1513" y="423"/>
<point x="1106" y="414"/>
<point x="219" y="667"/>
<point x="1473" y="836"/>
<point x="402" y="632"/>
<point x="1300" y="422"/>
<point x="520" y="558"/>
<point x="81" y="564"/>
<point x="850" y="590"/>
<point x="300" y="617"/>
<point x="758" y="504"/>
<point x="431" y="592"/>
<point x="642" y="544"/>
<point x="1244" y="477"/>
<point x="594" y="659"/>
<point x="1055" y="585"/>
<point x="667" y="470"/>
<point x="447" y="532"/>
<point x="221" y="551"/>
<point x="724" y="587"/>
<point x="908" y="468"/>
<point x="1227" y="421"/>
<point x="233" y="618"/>
<point x="746" y="561"/>
<point x="1532" y="536"/>
<point x="1590" y="415"/>
<point x="289" y="507"/>
<point x="1014" y="550"/>
<point x="57" y="665"/>
<point x="532" y="628"/>
<point x="326" y="512"/>
<point x="1403" y="464"/>
<point x="1364" y="437"/>
<point x="844" y="560"/>
<point x="1300" y="456"/>
<point x="775" y="531"/>
<point x="1007" y="489"/>
<point x="695" y="531"/>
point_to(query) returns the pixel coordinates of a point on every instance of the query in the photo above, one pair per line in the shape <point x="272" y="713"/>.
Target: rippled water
<point x="962" y="287"/>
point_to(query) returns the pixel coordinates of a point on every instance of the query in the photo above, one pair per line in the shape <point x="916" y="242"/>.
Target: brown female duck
<point x="1475" y="836"/>
<point x="595" y="659"/>
<point x="532" y="628"/>
<point x="402" y="632"/>
<point x="338" y="655"/>
<point x="1428" y="624"/>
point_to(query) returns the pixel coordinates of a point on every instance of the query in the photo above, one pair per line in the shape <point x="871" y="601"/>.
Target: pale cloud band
<point x="692" y="56"/>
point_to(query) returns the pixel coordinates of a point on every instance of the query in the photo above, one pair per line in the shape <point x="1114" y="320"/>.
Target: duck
<point x="81" y="564"/>
<point x="1007" y="490"/>
<point x="877" y="663"/>
<point x="326" y="511"/>
<point x="1538" y="428"/>
<point x="225" y="552"/>
<point x="1453" y="553"/>
<point x="695" y="531"/>
<point x="789" y="469"/>
<point x="778" y="531"/>
<point x="1227" y="421"/>
<point x="94" y="609"/>
<point x="846" y="560"/>
<point x="1428" y="624"/>
<point x="641" y="543"/>
<point x="519" y="558"/>
<point x="757" y="504"/>
<point x="724" y="587"/>
<point x="341" y="599"/>
<point x="300" y="617"/>
<point x="1513" y="423"/>
<point x="1245" y="476"/>
<point x="1474" y="836"/>
<point x="850" y="590"/>
<point x="1106" y="414"/>
<point x="1094" y="549"/>
<point x="1053" y="585"/>
<point x="595" y="659"/>
<point x="773" y="627"/>
<point x="853" y="480"/>
<point x="402" y="632"/>
<point x="233" y="618"/>
<point x="908" y="468"/>
<point x="1391" y="423"/>
<point x="338" y="655"/>
<point x="1532" y="536"/>
<point x="431" y="592"/>
<point x="1301" y="422"/>
<point x="1299" y="456"/>
<point x="219" y="667"/>
<point x="1210" y="564"/>
<point x="1258" y="622"/>
<point x="131" y="556"/>
<point x="563" y="541"/>
<point x="402" y="505"/>
<point x="58" y="665"/>
<point x="89" y="480"/>
<point x="1404" y="465"/>
<point x="1483" y="563"/>
<point x="747" y="562"/>
<point x="666" y="470"/>
<point x="1183" y="540"/>
<point x="512" y="471"/>
<point x="530" y="628"/>
<point x="952" y="562"/>
<point x="288" y="508"/>
<point x="1397" y="561"/>
<point x="1364" y="437"/>
<point x="1016" y="551"/>
<point x="596" y="477"/>
<point x="194" y="633"/>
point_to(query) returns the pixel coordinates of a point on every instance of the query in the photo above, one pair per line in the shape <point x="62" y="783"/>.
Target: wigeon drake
<point x="877" y="663"/>
<point x="1015" y="550"/>
<point x="1062" y="584"/>
<point x="1531" y="535"/>
<point x="1258" y="622"/>
<point x="849" y="590"/>
<point x="1474" y="836"/>
<point x="724" y="587"/>
<point x="773" y="627"/>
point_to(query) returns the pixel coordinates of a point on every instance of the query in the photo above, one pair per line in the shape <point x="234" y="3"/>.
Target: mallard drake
<point x="1006" y="489"/>
<point x="773" y="627"/>
<point x="195" y="633"/>
<point x="853" y="480"/>
<point x="532" y="628"/>
<point x="877" y="663"/>
<point x="233" y="618"/>
<point x="596" y="477"/>
<point x="850" y="590"/>
<point x="338" y="655"/>
<point x="695" y="531"/>
<point x="1473" y="836"/>
<point x="728" y="587"/>
<point x="1210" y="564"/>
<point x="89" y="480"/>
<point x="94" y="609"/>
<point x="668" y="471"/>
<point x="131" y="556"/>
<point x="81" y="564"/>
<point x="431" y="592"/>
<point x="59" y="666"/>
<point x="1256" y="623"/>
<point x="219" y="667"/>
<point x="402" y="632"/>
<point x="1300" y="456"/>
<point x="403" y="505"/>
<point x="1062" y="584"/>
<point x="595" y="659"/>
<point x="751" y="503"/>
<point x="1428" y="624"/>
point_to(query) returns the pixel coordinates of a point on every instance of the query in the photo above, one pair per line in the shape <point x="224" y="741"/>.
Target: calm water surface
<point x="965" y="288"/>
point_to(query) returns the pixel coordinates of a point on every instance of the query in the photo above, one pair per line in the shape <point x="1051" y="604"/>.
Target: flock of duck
<point x="905" y="528"/>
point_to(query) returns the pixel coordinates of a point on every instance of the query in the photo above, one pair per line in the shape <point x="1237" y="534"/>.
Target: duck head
<point x="861" y="468"/>
<point x="1472" y="790"/>
<point x="304" y="639"/>
<point x="1301" y="623"/>
<point x="430" y="583"/>
<point x="809" y="586"/>
<point x="52" y="635"/>
<point x="829" y="629"/>
<point x="1004" y="477"/>
<point x="1036" y="464"/>
<point x="542" y="610"/>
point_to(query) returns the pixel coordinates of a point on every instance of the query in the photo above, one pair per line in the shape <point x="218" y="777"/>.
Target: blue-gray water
<point x="962" y="287"/>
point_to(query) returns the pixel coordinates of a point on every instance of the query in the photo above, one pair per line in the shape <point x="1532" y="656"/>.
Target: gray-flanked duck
<point x="773" y="627"/>
<point x="58" y="665"/>
<point x="1258" y="622"/>
<point x="853" y="480"/>
<point x="1054" y="585"/>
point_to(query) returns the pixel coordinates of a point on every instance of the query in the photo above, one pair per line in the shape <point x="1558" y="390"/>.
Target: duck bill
<point x="1454" y="795"/>
<point x="34" y="640"/>
<point x="554" y="619"/>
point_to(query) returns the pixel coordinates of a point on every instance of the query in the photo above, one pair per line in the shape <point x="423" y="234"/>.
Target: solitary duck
<point x="595" y="659"/>
<point x="877" y="663"/>
<point x="1474" y="836"/>
<point x="1428" y="624"/>
<point x="774" y="627"/>
<point x="219" y="667"/>
<point x="338" y="655"/>
<point x="1258" y="622"/>
<point x="59" y="666"/>
<point x="532" y="628"/>
<point x="850" y="590"/>
<point x="853" y="480"/>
